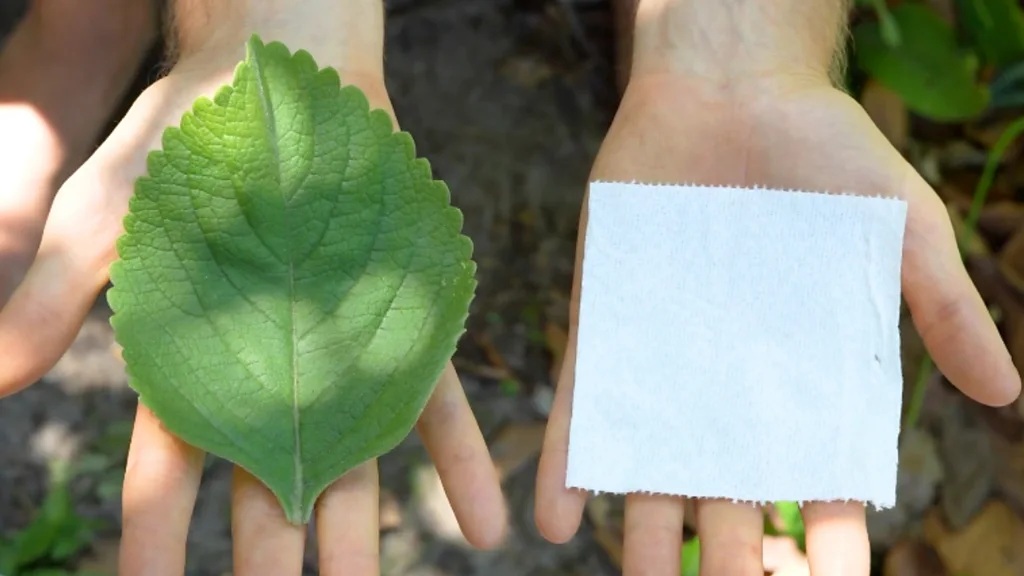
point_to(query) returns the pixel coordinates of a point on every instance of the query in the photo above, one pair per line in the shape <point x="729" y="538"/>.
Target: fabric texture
<point x="738" y="343"/>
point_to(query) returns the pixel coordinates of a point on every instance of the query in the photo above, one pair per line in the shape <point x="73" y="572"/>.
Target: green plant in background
<point x="942" y="72"/>
<point x="790" y="524"/>
<point x="105" y="461"/>
<point x="54" y="537"/>
<point x="690" y="563"/>
<point x="292" y="280"/>
<point x="965" y="236"/>
<point x="995" y="28"/>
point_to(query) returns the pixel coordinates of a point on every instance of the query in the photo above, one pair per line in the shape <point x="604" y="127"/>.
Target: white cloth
<point x="739" y="344"/>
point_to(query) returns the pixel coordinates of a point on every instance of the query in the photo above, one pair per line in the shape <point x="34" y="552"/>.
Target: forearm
<point x="732" y="40"/>
<point x="345" y="34"/>
<point x="67" y="50"/>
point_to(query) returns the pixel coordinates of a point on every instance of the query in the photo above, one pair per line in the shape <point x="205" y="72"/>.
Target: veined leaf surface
<point x="292" y="280"/>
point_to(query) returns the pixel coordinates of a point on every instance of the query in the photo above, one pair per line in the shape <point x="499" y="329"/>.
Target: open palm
<point x="162" y="478"/>
<point x="788" y="134"/>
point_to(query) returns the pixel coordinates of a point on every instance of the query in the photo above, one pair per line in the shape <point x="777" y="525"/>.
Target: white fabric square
<point x="738" y="343"/>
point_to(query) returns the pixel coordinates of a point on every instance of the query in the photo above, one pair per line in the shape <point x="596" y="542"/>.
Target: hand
<point x="783" y="132"/>
<point x="163" y="473"/>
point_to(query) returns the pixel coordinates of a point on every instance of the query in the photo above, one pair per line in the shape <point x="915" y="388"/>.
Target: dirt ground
<point x="509" y="101"/>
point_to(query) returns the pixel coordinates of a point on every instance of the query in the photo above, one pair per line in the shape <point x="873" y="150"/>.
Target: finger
<point x="160" y="484"/>
<point x="557" y="509"/>
<point x="264" y="541"/>
<point x="947" y="310"/>
<point x="837" y="539"/>
<point x="455" y="444"/>
<point x="653" y="528"/>
<point x="347" y="524"/>
<point x="731" y="535"/>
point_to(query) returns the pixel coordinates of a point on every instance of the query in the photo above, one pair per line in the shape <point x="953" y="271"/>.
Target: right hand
<point x="789" y="133"/>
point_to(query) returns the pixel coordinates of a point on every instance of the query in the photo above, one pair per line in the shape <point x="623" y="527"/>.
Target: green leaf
<point x="74" y="536"/>
<point x="292" y="280"/>
<point x="889" y="28"/>
<point x="996" y="27"/>
<point x="35" y="541"/>
<point x="690" y="561"/>
<point x="8" y="558"/>
<point x="792" y="521"/>
<point x="928" y="70"/>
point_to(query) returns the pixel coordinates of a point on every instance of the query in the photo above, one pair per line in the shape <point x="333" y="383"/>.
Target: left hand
<point x="791" y="132"/>
<point x="163" y="472"/>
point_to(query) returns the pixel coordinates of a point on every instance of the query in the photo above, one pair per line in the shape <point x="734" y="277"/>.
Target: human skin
<point x="740" y="92"/>
<point x="78" y="244"/>
<point x="88" y="48"/>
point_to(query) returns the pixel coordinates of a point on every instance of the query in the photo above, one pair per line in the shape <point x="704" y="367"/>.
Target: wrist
<point x="347" y="35"/>
<point x="732" y="43"/>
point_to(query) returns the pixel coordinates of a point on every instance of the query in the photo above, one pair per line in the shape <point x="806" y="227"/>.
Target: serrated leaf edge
<point x="451" y="215"/>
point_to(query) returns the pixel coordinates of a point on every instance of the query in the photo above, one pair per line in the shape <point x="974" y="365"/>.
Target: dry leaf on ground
<point x="920" y="471"/>
<point x="1009" y="459"/>
<point x="968" y="464"/>
<point x="913" y="558"/>
<point x="1001" y="220"/>
<point x="991" y="545"/>
<point x="515" y="445"/>
<point x="1011" y="261"/>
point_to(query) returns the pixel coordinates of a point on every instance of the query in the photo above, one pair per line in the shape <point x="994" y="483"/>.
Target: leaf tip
<point x="253" y="47"/>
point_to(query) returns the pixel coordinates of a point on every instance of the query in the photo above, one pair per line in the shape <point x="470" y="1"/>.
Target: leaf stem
<point x="988" y="176"/>
<point x="920" y="386"/>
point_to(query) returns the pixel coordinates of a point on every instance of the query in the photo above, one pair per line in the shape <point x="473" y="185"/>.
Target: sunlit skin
<point x="779" y="123"/>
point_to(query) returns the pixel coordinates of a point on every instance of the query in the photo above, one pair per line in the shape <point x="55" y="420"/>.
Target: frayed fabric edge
<point x="750" y="188"/>
<point x="875" y="505"/>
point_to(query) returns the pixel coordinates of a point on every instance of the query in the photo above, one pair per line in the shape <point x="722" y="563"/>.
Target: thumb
<point x="947" y="310"/>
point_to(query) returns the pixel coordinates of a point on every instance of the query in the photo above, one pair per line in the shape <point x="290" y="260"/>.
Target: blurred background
<point x="509" y="99"/>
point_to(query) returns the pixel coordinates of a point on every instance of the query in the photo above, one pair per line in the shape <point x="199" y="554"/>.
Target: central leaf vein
<point x="263" y="91"/>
